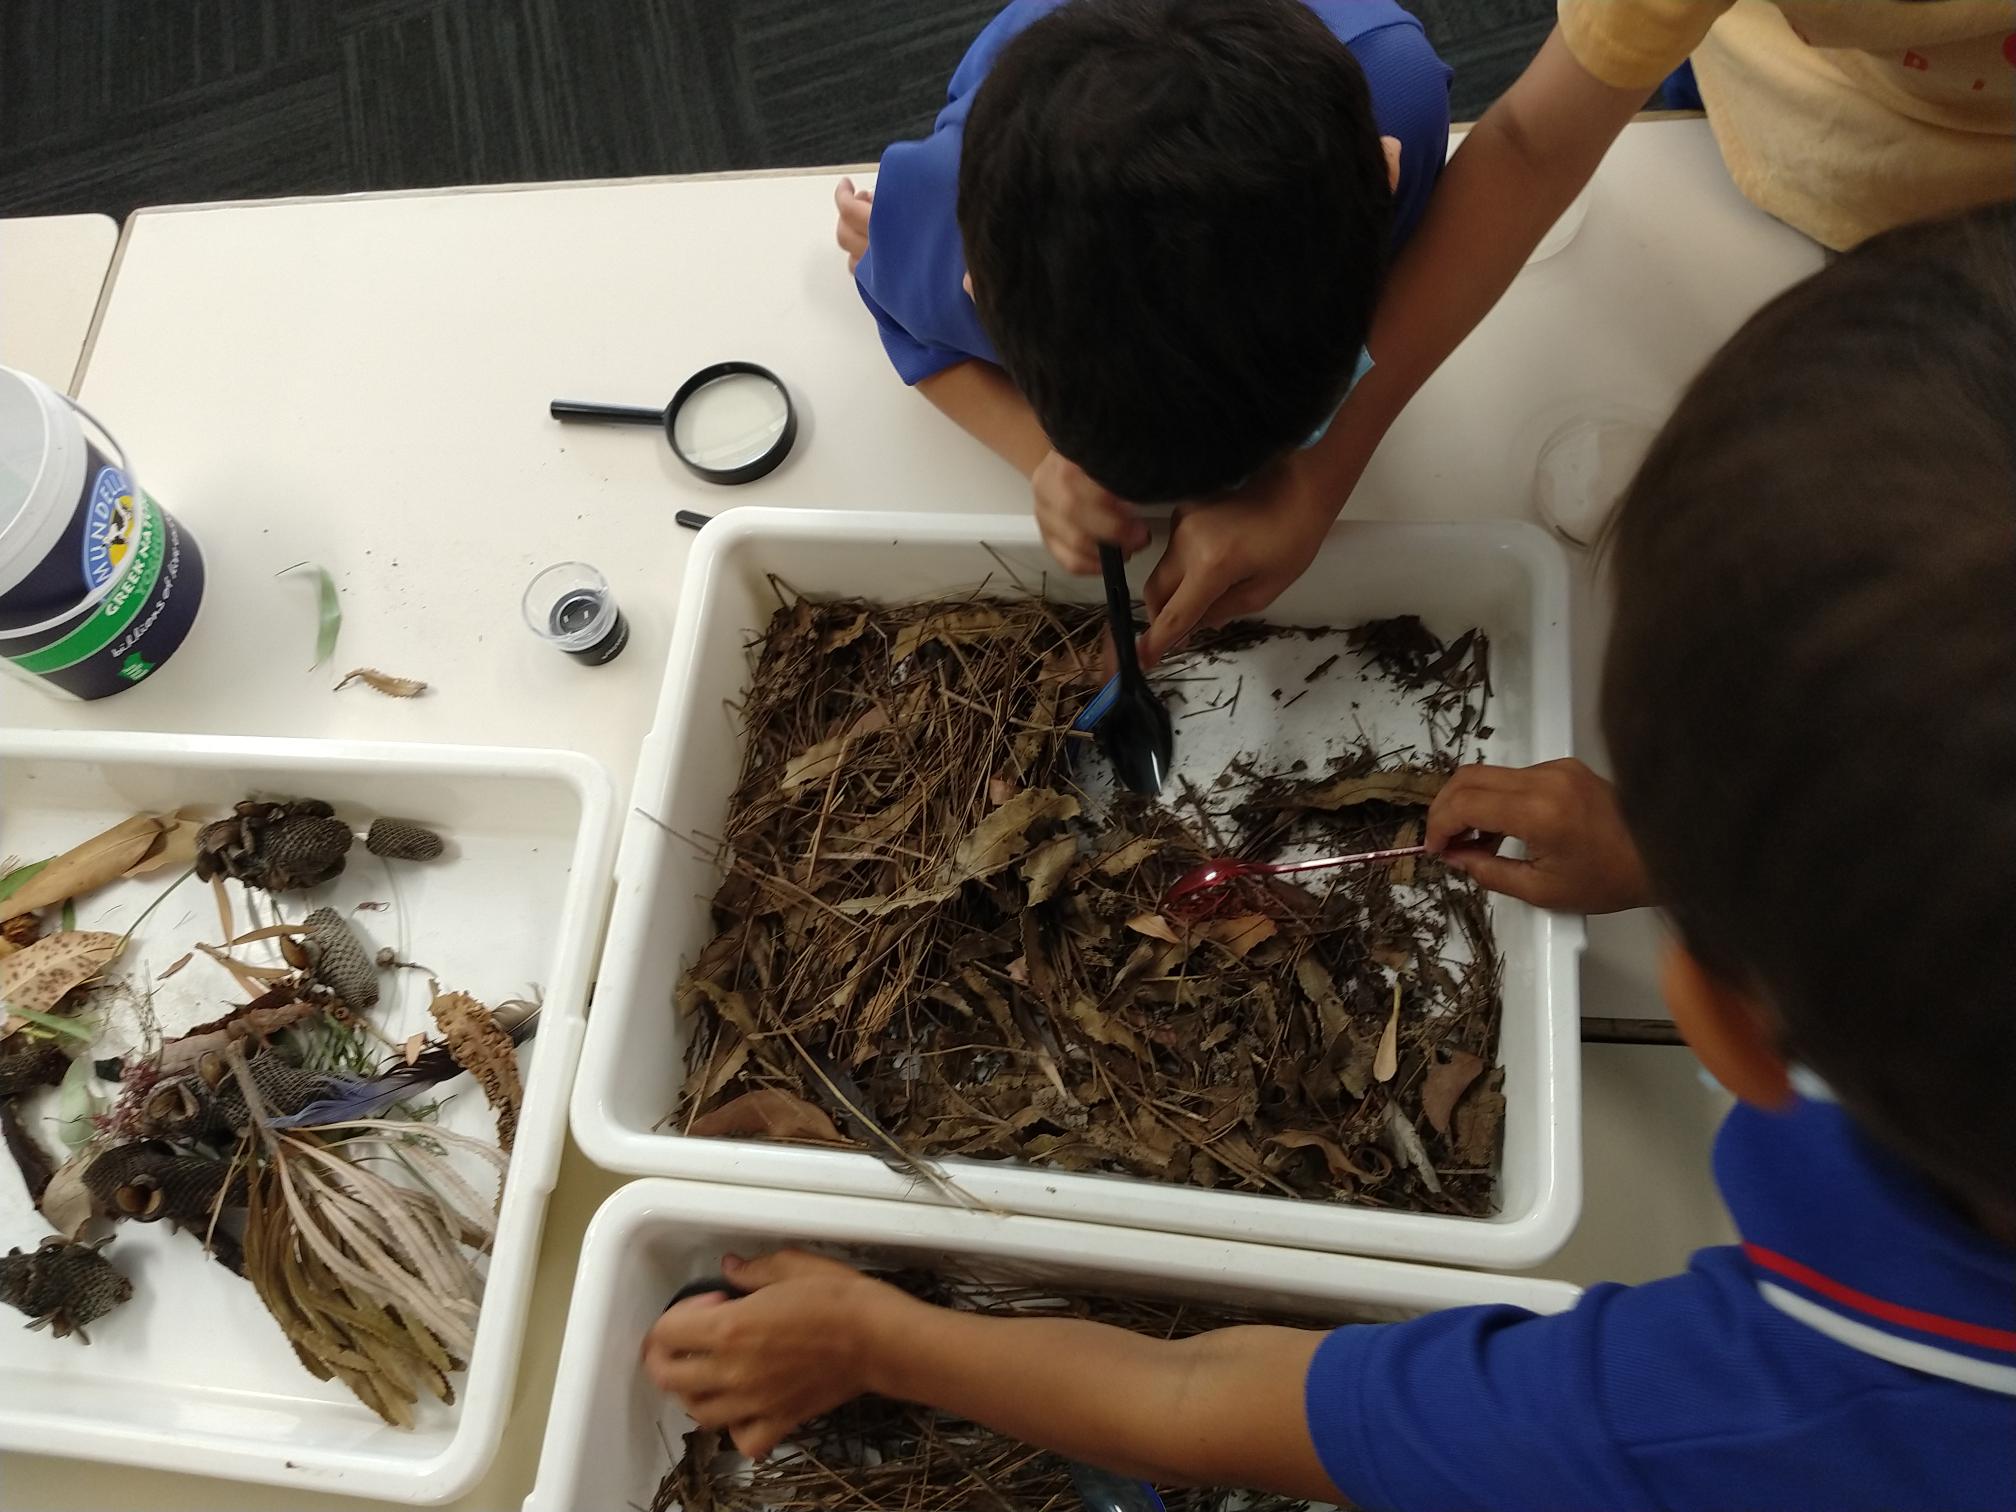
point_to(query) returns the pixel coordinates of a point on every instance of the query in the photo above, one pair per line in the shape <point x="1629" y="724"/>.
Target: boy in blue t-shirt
<point x="1810" y="700"/>
<point x="1139" y="250"/>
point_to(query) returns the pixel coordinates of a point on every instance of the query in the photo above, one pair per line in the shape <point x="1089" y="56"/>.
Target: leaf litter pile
<point x="942" y="930"/>
<point x="288" y="1135"/>
<point x="878" y="1453"/>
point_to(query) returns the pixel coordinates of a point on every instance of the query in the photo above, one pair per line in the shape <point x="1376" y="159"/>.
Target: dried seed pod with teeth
<point x="62" y="1285"/>
<point x="483" y="1048"/>
<point x="339" y="960"/>
<point x="402" y="840"/>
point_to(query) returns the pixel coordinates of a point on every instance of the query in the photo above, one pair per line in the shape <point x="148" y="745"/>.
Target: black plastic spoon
<point x="1135" y="734"/>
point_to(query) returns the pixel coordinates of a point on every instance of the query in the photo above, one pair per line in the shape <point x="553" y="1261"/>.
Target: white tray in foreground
<point x="192" y="1374"/>
<point x="1508" y="579"/>
<point x="606" y="1440"/>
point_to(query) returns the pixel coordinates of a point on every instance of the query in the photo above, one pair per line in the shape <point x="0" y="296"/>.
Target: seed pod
<point x="401" y="840"/>
<point x="340" y="963"/>
<point x="283" y="1087"/>
<point x="62" y="1285"/>
<point x="304" y="851"/>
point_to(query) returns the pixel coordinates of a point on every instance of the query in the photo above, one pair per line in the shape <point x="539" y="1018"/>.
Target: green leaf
<point x="17" y="878"/>
<point x="331" y="622"/>
<point x="56" y="1023"/>
<point x="78" y="1103"/>
<point x="69" y="914"/>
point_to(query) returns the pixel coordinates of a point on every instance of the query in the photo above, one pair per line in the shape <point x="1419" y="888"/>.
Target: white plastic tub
<point x="192" y="1374"/>
<point x="1507" y="578"/>
<point x="606" y="1438"/>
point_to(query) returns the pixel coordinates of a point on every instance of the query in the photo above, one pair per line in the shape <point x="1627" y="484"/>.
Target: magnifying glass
<point x="729" y="423"/>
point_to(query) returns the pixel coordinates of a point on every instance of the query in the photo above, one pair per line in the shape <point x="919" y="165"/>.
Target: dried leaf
<point x="846" y="635"/>
<point x="1314" y="978"/>
<point x="1386" y="1060"/>
<point x="180" y="961"/>
<point x="966" y="625"/>
<point x="81" y="869"/>
<point x="415" y="1043"/>
<point x="817" y="763"/>
<point x="1238" y="935"/>
<point x="1002" y="836"/>
<point x="1155" y="927"/>
<point x="1044" y="867"/>
<point x="1000" y="789"/>
<point x="1127" y="857"/>
<point x="35" y="979"/>
<point x="329" y="610"/>
<point x="383" y="682"/>
<point x="1101" y="1026"/>
<point x="728" y="1063"/>
<point x="1444" y="1085"/>
<point x="1408" y="785"/>
<point x="1341" y="1166"/>
<point x="1478" y="1119"/>
<point x="992" y="845"/>
<point x="66" y="1202"/>
<point x="768" y="1113"/>
<point x="1405" y="1142"/>
<point x="485" y="1049"/>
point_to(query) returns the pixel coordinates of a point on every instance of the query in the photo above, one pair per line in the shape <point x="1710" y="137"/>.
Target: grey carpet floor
<point x="107" y="105"/>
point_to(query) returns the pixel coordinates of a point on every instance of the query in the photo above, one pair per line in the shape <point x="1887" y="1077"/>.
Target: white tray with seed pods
<point x="1505" y="578"/>
<point x="192" y="1374"/>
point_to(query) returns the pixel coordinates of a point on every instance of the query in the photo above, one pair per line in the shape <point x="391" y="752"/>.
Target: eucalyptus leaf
<point x="15" y="879"/>
<point x="77" y="1103"/>
<point x="330" y="621"/>
<point x="54" y="1022"/>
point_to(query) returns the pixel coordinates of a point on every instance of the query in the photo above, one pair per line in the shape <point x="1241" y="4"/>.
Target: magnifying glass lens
<point x="730" y="421"/>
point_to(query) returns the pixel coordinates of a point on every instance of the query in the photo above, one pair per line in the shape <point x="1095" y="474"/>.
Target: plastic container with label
<point x="98" y="583"/>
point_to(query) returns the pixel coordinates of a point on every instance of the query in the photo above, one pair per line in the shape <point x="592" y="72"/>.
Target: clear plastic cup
<point x="570" y="607"/>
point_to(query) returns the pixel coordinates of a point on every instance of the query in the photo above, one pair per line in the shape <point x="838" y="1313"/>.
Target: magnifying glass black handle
<point x="619" y="414"/>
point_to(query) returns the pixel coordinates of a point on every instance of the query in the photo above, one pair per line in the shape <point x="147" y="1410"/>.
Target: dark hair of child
<point x="1810" y="696"/>
<point x="1175" y="215"/>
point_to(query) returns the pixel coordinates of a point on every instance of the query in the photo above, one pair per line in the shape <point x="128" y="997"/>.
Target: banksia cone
<point x="399" y="840"/>
<point x="340" y="963"/>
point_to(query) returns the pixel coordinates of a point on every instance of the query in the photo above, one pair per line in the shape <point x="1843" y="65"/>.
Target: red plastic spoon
<point x="1215" y="874"/>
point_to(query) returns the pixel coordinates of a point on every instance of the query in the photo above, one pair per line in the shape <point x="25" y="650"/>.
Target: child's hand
<point x="852" y="232"/>
<point x="1234" y="556"/>
<point x="1075" y="515"/>
<point x="760" y="1365"/>
<point x="1579" y="856"/>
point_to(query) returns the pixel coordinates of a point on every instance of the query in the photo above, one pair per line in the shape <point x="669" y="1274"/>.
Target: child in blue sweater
<point x="1810" y="700"/>
<point x="1138" y="253"/>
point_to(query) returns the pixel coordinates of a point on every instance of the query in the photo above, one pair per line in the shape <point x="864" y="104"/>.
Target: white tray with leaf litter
<point x="191" y="1374"/>
<point x="608" y="1439"/>
<point x="1507" y="580"/>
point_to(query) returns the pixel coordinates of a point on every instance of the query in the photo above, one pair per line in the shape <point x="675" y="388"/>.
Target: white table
<point x="362" y="382"/>
<point x="52" y="268"/>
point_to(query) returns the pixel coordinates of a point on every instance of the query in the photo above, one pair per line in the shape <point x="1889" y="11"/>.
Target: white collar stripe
<point x="1909" y="1353"/>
